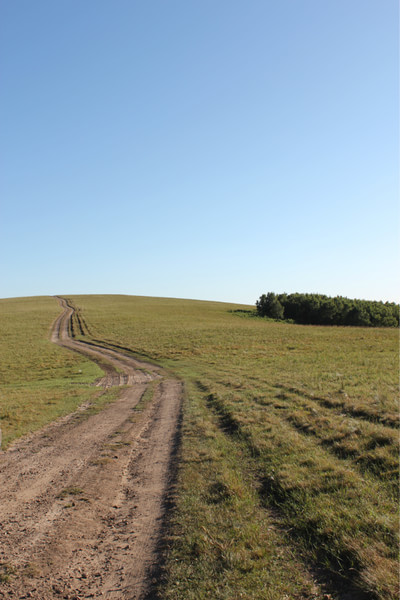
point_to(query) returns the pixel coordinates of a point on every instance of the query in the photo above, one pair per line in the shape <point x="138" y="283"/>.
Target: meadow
<point x="39" y="381"/>
<point x="287" y="486"/>
<point x="288" y="474"/>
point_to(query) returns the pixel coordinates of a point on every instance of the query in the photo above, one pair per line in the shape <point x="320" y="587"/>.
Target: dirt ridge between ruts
<point x="81" y="501"/>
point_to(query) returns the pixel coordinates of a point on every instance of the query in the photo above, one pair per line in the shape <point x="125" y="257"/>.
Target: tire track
<point x="81" y="501"/>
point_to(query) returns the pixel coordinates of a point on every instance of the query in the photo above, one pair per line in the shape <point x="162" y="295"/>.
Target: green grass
<point x="289" y="427"/>
<point x="7" y="571"/>
<point x="70" y="491"/>
<point x="224" y="544"/>
<point x="39" y="381"/>
<point x="287" y="484"/>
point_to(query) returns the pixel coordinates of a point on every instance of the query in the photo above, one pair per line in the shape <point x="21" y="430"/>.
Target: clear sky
<point x="210" y="149"/>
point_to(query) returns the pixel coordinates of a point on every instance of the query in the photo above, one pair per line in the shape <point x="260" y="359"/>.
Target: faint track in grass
<point x="82" y="500"/>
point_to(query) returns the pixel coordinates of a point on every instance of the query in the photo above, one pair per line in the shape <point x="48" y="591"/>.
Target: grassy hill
<point x="287" y="486"/>
<point x="289" y="452"/>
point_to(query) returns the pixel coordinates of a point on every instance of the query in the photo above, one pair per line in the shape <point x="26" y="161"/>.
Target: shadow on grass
<point x="244" y="312"/>
<point x="337" y="572"/>
<point x="157" y="577"/>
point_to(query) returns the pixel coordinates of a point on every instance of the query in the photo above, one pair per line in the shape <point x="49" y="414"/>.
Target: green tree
<point x="270" y="306"/>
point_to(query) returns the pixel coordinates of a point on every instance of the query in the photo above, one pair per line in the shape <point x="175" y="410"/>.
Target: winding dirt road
<point x="82" y="501"/>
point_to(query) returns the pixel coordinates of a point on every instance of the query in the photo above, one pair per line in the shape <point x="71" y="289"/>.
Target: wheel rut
<point x="81" y="501"/>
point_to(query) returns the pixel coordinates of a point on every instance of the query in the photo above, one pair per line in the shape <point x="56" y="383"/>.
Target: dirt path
<point x="81" y="501"/>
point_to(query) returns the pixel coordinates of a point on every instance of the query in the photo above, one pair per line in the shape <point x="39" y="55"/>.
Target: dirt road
<point x="82" y="501"/>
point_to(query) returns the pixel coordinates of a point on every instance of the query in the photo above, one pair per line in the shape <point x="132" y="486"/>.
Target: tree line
<point x="317" y="309"/>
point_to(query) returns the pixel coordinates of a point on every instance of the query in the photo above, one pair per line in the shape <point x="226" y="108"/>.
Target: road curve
<point x="81" y="501"/>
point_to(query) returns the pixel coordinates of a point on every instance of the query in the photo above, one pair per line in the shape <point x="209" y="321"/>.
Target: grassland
<point x="288" y="480"/>
<point x="289" y="472"/>
<point x="38" y="380"/>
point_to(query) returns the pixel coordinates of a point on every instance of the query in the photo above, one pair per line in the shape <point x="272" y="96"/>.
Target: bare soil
<point x="82" y="501"/>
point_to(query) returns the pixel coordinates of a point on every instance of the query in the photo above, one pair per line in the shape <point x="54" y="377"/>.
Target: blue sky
<point x="213" y="149"/>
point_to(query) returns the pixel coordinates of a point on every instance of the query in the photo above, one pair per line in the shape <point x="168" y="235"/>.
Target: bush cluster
<point x="317" y="309"/>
